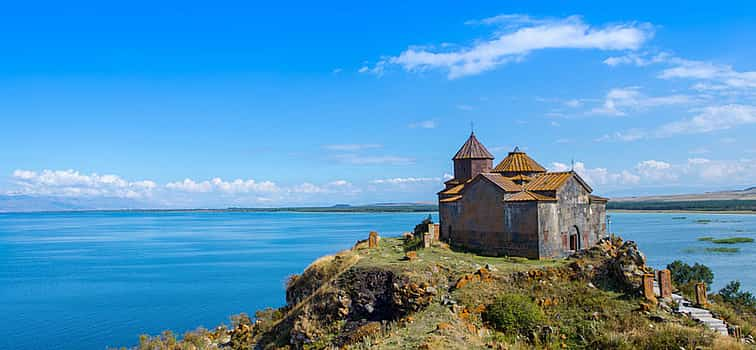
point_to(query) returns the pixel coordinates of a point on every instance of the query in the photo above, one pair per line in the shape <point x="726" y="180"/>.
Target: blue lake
<point x="98" y="279"/>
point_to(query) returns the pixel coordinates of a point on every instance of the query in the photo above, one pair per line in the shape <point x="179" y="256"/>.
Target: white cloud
<point x="356" y="159"/>
<point x="339" y="183"/>
<point x="707" y="119"/>
<point x="718" y="77"/>
<point x="307" y="188"/>
<point x="518" y="36"/>
<point x="640" y="60"/>
<point x="598" y="176"/>
<point x="619" y="100"/>
<point x="721" y="73"/>
<point x="351" y="147"/>
<point x="425" y="124"/>
<point x="693" y="171"/>
<point x="574" y="103"/>
<point x="72" y="183"/>
<point x="655" y="170"/>
<point x="189" y="185"/>
<point x="219" y="185"/>
<point x="511" y="20"/>
<point x="378" y="69"/>
<point x="406" y="180"/>
<point x="626" y="136"/>
<point x="711" y="119"/>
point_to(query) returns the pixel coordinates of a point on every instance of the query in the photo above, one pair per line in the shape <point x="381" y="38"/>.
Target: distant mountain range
<point x="724" y="200"/>
<point x="746" y="194"/>
<point x="21" y="203"/>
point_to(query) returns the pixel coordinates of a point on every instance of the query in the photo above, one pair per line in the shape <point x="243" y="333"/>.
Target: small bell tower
<point x="472" y="159"/>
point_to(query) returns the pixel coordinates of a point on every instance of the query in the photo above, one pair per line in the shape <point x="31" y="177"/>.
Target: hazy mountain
<point x="745" y="194"/>
<point x="22" y="203"/>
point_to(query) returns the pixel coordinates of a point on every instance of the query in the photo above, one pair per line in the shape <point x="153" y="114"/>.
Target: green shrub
<point x="513" y="314"/>
<point x="731" y="293"/>
<point x="683" y="273"/>
<point x="707" y="238"/>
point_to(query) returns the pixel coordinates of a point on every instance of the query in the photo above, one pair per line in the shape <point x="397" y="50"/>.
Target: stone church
<point x="517" y="208"/>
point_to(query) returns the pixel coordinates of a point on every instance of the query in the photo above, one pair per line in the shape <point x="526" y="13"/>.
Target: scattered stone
<point x="373" y="240"/>
<point x="434" y="230"/>
<point x="448" y="301"/>
<point x="735" y="332"/>
<point x="648" y="288"/>
<point x="701" y="294"/>
<point x="665" y="284"/>
<point x="471" y="328"/>
<point x="427" y="240"/>
<point x="444" y="326"/>
<point x="645" y="307"/>
<point x="490" y="267"/>
<point x="482" y="275"/>
<point x="410" y="256"/>
<point x="480" y="309"/>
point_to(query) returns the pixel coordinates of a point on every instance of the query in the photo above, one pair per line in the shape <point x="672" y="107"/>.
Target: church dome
<point x="518" y="162"/>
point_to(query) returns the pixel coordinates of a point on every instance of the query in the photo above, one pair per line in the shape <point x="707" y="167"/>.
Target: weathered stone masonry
<point x="517" y="208"/>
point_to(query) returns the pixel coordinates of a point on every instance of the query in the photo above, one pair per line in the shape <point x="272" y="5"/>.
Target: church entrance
<point x="575" y="243"/>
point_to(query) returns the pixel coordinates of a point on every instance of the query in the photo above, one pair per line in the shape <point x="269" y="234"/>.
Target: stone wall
<point x="465" y="169"/>
<point x="575" y="215"/>
<point x="598" y="215"/>
<point x="550" y="244"/>
<point x="482" y="223"/>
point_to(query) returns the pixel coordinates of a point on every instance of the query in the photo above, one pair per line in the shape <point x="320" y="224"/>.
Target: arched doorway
<point x="575" y="242"/>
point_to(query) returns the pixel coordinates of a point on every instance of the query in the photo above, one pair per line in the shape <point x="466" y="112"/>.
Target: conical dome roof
<point x="473" y="149"/>
<point x="518" y="162"/>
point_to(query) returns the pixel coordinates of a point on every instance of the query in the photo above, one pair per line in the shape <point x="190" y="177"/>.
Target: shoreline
<point x="663" y="211"/>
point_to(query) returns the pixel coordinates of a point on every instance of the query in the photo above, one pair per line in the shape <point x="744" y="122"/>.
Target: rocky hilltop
<point x="393" y="295"/>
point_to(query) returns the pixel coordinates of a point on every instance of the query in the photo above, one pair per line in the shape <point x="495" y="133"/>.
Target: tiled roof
<point x="520" y="177"/>
<point x="473" y="149"/>
<point x="527" y="196"/>
<point x="450" y="199"/>
<point x="454" y="190"/>
<point x="553" y="181"/>
<point x="517" y="161"/>
<point x="505" y="184"/>
<point x="548" y="181"/>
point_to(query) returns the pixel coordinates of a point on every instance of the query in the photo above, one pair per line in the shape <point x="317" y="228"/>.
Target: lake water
<point x="99" y="279"/>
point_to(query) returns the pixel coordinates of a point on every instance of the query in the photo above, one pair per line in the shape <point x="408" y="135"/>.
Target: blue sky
<point x="184" y="104"/>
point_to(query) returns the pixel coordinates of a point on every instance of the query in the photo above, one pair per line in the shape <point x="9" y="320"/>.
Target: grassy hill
<point x="377" y="298"/>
